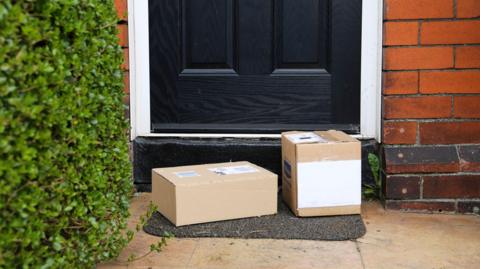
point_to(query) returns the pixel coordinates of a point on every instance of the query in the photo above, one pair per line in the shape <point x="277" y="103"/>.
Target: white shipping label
<point x="308" y="137"/>
<point x="186" y="174"/>
<point x="232" y="170"/>
<point x="329" y="183"/>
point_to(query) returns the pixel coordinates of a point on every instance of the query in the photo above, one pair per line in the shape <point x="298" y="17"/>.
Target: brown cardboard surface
<point x="163" y="196"/>
<point x="213" y="197"/>
<point x="328" y="152"/>
<point x="329" y="211"/>
<point x="336" y="147"/>
<point x="336" y="136"/>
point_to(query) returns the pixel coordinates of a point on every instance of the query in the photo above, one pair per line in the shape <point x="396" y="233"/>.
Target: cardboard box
<point x="321" y="173"/>
<point x="213" y="192"/>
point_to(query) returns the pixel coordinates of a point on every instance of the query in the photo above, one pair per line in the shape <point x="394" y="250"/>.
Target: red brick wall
<point x="121" y="6"/>
<point x="431" y="105"/>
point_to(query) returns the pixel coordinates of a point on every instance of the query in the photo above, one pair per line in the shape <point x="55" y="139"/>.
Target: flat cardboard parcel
<point x="213" y="192"/>
<point x="321" y="173"/>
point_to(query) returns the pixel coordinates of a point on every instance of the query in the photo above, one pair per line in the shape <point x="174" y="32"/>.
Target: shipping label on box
<point x="234" y="170"/>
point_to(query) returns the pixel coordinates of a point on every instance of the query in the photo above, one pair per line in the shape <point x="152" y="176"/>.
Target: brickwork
<point x="431" y="105"/>
<point x="121" y="7"/>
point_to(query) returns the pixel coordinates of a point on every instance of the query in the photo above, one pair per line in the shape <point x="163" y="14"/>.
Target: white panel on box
<point x="329" y="183"/>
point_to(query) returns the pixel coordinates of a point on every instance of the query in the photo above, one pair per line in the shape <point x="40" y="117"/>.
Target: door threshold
<point x="200" y="135"/>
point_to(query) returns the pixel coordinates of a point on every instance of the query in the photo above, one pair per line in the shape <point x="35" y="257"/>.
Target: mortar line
<point x="452" y="108"/>
<point x="421" y="188"/>
<point x="432" y="19"/>
<point x="455" y="56"/>
<point x="402" y="95"/>
<point x="418" y="81"/>
<point x="455" y="11"/>
<point x="419" y="33"/>
<point x="417" y="137"/>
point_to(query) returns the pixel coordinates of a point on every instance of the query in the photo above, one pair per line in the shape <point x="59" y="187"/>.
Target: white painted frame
<point x="371" y="73"/>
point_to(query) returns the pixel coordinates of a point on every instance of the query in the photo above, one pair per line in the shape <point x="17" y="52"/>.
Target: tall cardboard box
<point x="321" y="173"/>
<point x="213" y="192"/>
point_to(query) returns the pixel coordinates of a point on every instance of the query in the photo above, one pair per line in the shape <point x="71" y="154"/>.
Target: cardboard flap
<point x="297" y="137"/>
<point x="336" y="136"/>
<point x="327" y="152"/>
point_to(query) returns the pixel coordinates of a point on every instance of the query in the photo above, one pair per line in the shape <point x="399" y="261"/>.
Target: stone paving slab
<point x="393" y="240"/>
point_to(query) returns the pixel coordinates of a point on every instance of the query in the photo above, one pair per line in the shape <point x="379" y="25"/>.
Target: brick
<point x="404" y="132"/>
<point x="468" y="8"/>
<point x="466" y="106"/>
<point x="450" y="32"/>
<point x="467" y="57"/>
<point x="127" y="112"/>
<point x="450" y="82"/>
<point x="456" y="186"/>
<point x="420" y="206"/>
<point x="121" y="7"/>
<point x="126" y="99"/>
<point x="418" y="9"/>
<point x="449" y="132"/>
<point x="400" y="33"/>
<point x="469" y="158"/>
<point x="123" y="35"/>
<point x="400" y="83"/>
<point x="421" y="107"/>
<point x="125" y="64"/>
<point x="421" y="159"/>
<point x="402" y="187"/>
<point x="469" y="207"/>
<point x="126" y="82"/>
<point x="413" y="58"/>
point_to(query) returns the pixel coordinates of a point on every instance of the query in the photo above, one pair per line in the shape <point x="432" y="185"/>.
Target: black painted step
<point x="149" y="153"/>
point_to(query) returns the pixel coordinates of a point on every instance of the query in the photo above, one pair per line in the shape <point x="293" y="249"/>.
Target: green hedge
<point x="65" y="177"/>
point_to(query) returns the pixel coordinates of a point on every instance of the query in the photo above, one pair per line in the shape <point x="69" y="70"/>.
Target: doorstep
<point x="393" y="240"/>
<point x="155" y="152"/>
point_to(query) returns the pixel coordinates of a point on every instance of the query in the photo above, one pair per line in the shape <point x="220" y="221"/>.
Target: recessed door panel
<point x="302" y="33"/>
<point x="208" y="34"/>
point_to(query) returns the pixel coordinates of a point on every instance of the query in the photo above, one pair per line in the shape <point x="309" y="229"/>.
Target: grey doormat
<point x="284" y="225"/>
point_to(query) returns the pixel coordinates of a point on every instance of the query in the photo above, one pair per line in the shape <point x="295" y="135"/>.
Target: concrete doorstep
<point x="393" y="240"/>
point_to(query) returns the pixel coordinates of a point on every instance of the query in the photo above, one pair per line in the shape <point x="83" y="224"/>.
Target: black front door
<point x="258" y="66"/>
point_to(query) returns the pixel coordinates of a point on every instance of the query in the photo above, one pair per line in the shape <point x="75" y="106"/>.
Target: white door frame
<point x="371" y="73"/>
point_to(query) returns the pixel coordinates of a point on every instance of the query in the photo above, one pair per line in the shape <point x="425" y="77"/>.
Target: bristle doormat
<point x="284" y="225"/>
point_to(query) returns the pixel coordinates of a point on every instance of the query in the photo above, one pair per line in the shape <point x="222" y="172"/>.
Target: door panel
<point x="254" y="65"/>
<point x="255" y="29"/>
<point x="208" y="34"/>
<point x="253" y="99"/>
<point x="301" y="33"/>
